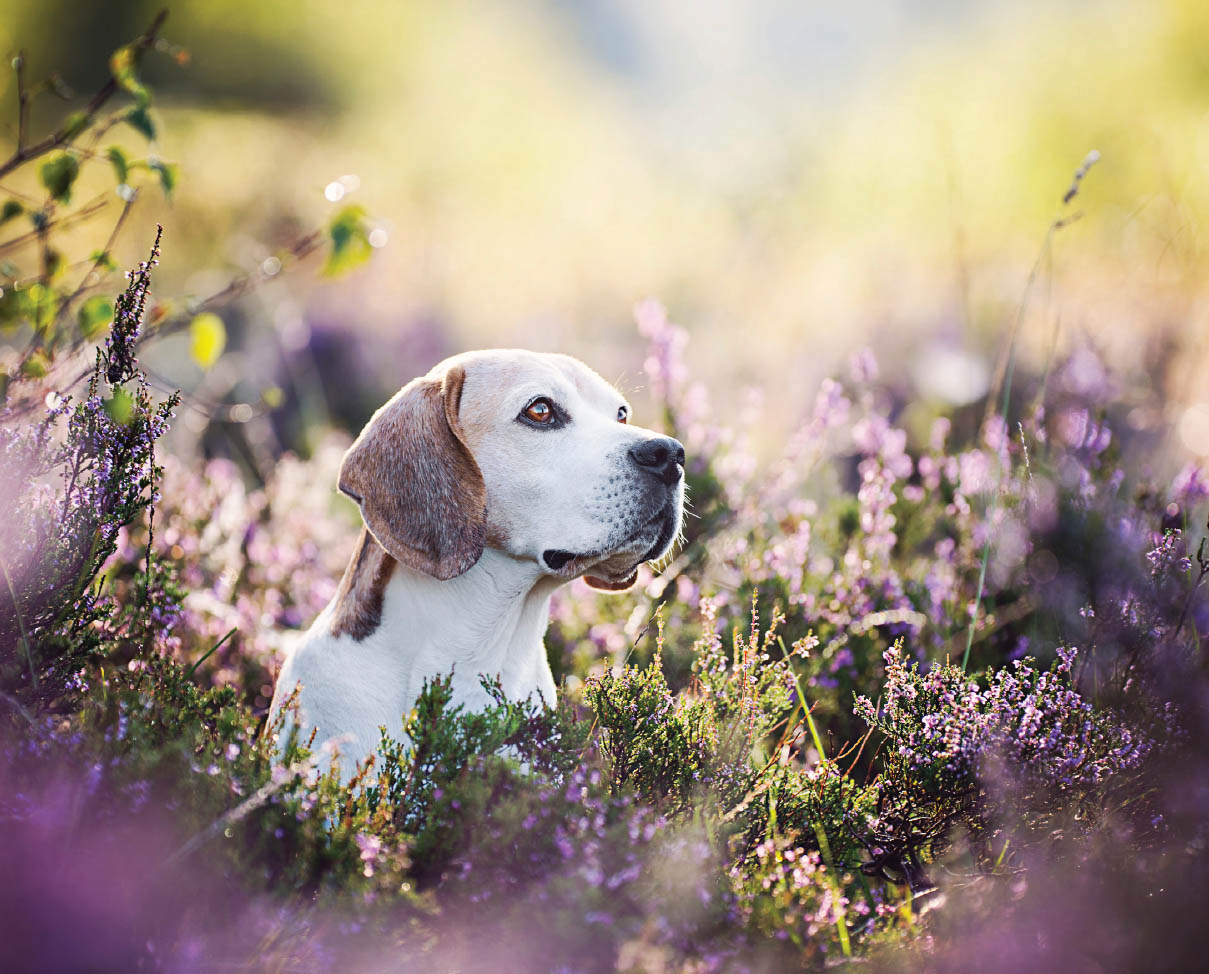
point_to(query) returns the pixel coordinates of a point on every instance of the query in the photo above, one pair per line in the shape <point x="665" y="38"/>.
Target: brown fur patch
<point x="358" y="604"/>
<point x="497" y="537"/>
<point x="420" y="490"/>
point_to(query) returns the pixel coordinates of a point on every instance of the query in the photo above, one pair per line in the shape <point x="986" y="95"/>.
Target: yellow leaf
<point x="207" y="339"/>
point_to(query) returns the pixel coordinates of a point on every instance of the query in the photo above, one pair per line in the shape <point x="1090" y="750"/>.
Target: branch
<point x="100" y="259"/>
<point x="66" y="133"/>
<point x="22" y="101"/>
<point x="85" y="212"/>
<point x="248" y="282"/>
<point x="252" y="802"/>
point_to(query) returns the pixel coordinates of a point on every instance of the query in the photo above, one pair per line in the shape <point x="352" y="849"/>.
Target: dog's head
<point x="526" y="452"/>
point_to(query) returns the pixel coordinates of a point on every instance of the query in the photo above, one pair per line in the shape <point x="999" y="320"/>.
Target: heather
<point x="799" y="742"/>
<point x="923" y="689"/>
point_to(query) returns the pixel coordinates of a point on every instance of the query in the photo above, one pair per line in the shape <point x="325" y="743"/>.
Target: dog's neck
<point x="489" y="620"/>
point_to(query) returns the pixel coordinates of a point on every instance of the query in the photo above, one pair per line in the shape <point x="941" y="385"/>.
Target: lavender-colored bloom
<point x="1190" y="486"/>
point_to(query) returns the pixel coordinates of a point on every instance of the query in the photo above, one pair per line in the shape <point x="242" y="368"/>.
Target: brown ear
<point x="420" y="491"/>
<point x="607" y="585"/>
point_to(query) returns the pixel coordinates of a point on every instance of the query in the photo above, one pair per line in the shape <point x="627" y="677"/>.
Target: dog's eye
<point x="623" y="414"/>
<point x="540" y="411"/>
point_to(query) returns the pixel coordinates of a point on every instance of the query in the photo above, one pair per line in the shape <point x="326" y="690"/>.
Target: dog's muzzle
<point x="661" y="456"/>
<point x="556" y="559"/>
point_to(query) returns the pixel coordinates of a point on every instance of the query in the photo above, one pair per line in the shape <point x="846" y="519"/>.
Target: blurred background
<point x="793" y="180"/>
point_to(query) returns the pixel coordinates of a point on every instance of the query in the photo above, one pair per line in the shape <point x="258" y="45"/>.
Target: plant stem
<point x="841" y="919"/>
<point x="22" y="101"/>
<point x="814" y="732"/>
<point x="211" y="651"/>
<point x="1008" y="374"/>
<point x="29" y="658"/>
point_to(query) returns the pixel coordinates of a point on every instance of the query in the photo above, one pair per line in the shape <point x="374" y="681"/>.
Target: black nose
<point x="662" y="456"/>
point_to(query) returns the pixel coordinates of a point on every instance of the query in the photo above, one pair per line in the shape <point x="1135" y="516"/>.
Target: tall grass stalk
<point x="841" y="919"/>
<point x="1063" y="219"/>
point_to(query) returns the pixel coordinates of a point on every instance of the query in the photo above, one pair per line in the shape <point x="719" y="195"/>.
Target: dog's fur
<point x="473" y="516"/>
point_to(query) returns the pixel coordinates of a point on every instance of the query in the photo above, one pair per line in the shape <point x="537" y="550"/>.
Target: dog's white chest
<point x="487" y="622"/>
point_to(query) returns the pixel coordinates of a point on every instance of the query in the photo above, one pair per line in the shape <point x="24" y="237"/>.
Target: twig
<point x="249" y="282"/>
<point x="85" y="212"/>
<point x="100" y="258"/>
<point x="218" y="412"/>
<point x="22" y="101"/>
<point x="43" y="231"/>
<point x="67" y="132"/>
<point x="7" y="191"/>
<point x="642" y="632"/>
<point x="861" y="750"/>
<point x="239" y="812"/>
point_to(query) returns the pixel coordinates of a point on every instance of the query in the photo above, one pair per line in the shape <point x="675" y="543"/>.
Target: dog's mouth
<point x="668" y="527"/>
<point x="569" y="563"/>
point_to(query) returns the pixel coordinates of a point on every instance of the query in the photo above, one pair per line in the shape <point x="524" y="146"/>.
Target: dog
<point x="483" y="487"/>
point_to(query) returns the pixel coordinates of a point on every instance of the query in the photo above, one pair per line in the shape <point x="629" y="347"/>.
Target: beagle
<point x="483" y="487"/>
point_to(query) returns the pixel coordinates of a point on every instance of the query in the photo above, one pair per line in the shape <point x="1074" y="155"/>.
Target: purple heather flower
<point x="1191" y="485"/>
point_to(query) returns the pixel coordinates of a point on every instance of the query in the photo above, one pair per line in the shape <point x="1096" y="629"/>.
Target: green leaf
<point x="167" y="174"/>
<point x="207" y="339"/>
<point x="103" y="260"/>
<point x="120" y="406"/>
<point x="59" y="174"/>
<point x="12" y="308"/>
<point x="121" y="168"/>
<point x="10" y="209"/>
<point x="123" y="64"/>
<point x="36" y="366"/>
<point x="94" y="317"/>
<point x="141" y="119"/>
<point x="350" y="241"/>
<point x="76" y="123"/>
<point x="41" y="305"/>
